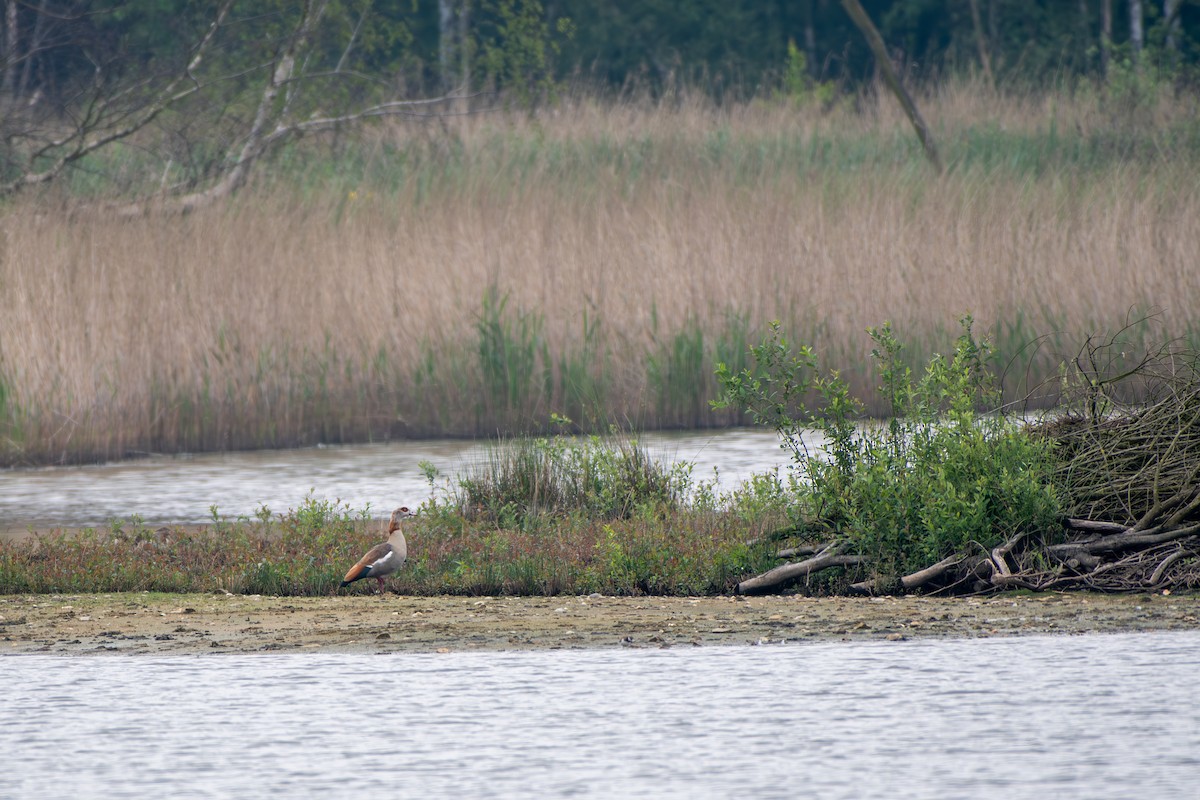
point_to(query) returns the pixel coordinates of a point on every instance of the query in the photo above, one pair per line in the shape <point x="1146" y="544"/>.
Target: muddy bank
<point x="210" y="624"/>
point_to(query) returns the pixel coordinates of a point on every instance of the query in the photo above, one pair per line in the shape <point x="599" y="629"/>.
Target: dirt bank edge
<point x="143" y="623"/>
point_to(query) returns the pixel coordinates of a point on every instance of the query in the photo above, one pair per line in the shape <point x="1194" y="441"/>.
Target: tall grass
<point x="595" y="262"/>
<point x="531" y="480"/>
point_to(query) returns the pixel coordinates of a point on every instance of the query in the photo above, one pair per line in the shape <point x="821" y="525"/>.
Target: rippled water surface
<point x="1102" y="716"/>
<point x="183" y="489"/>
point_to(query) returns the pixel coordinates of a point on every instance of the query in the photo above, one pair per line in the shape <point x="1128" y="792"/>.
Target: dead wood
<point x="1093" y="525"/>
<point x="912" y="581"/>
<point x="1151" y="561"/>
<point x="802" y="550"/>
<point x="831" y="556"/>
<point x="1157" y="576"/>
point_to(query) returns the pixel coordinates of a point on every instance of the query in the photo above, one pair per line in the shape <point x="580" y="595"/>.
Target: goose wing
<point x="379" y="560"/>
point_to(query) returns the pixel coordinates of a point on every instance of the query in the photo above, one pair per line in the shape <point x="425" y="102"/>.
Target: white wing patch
<point x="379" y="562"/>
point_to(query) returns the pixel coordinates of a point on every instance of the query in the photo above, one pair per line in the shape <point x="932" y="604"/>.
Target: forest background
<point x="729" y="49"/>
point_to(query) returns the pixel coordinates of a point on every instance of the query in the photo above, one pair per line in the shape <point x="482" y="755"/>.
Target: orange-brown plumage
<point x="384" y="558"/>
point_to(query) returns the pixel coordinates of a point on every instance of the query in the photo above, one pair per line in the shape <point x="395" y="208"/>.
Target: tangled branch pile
<point x="1130" y="479"/>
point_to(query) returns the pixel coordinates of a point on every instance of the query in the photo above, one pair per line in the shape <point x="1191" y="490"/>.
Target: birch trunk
<point x="447" y="33"/>
<point x="464" y="57"/>
<point x="1137" y="38"/>
<point x="454" y="52"/>
<point x="1174" y="26"/>
<point x="810" y="36"/>
<point x="8" y="58"/>
<point x="1106" y="21"/>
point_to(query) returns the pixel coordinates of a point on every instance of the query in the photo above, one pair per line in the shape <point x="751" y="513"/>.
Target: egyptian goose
<point x="385" y="558"/>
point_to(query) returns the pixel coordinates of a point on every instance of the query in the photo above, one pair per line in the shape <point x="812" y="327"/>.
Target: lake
<point x="1100" y="716"/>
<point x="184" y="489"/>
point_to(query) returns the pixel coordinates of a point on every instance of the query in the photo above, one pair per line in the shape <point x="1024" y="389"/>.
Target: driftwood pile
<point x="1129" y="483"/>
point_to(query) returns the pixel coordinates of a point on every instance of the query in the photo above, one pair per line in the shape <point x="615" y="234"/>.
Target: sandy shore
<point x="210" y="624"/>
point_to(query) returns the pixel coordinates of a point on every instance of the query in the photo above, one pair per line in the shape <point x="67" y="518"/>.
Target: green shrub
<point x="939" y="477"/>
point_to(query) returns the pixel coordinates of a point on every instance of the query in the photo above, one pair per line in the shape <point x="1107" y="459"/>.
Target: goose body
<point x="384" y="558"/>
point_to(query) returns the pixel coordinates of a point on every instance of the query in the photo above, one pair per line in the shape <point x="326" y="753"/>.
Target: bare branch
<point x="1098" y="527"/>
<point x="341" y="64"/>
<point x="1160" y="570"/>
<point x="84" y="139"/>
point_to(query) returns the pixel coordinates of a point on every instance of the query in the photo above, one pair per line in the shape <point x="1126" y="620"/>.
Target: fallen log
<point x="802" y="550"/>
<point x="1106" y="556"/>
<point x="919" y="578"/>
<point x="1128" y="539"/>
<point x="1095" y="526"/>
<point x="786" y="573"/>
<point x="1075" y="557"/>
<point x="911" y="581"/>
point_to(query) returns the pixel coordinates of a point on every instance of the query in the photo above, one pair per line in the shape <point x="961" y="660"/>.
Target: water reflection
<point x="183" y="489"/>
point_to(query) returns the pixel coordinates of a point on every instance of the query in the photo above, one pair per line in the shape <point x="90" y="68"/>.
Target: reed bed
<point x="594" y="261"/>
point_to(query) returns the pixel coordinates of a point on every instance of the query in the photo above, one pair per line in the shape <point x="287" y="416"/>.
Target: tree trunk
<point x="982" y="43"/>
<point x="447" y="33"/>
<point x="1137" y="37"/>
<point x="464" y="57"/>
<point x="810" y="36"/>
<point x="454" y="51"/>
<point x="1106" y="21"/>
<point x="1085" y="33"/>
<point x="33" y="45"/>
<point x="8" y="58"/>
<point x="1174" y="26"/>
<point x="875" y="41"/>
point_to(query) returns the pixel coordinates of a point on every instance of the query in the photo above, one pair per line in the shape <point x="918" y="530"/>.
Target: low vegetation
<point x="949" y="494"/>
<point x="306" y="551"/>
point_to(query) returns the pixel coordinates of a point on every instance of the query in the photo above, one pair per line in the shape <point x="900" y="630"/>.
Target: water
<point x="183" y="489"/>
<point x="1102" y="716"/>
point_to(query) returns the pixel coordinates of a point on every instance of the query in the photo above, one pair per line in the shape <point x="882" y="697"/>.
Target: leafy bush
<point x="938" y="477"/>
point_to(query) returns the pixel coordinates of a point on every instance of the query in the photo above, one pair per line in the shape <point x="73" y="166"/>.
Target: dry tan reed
<point x="286" y="317"/>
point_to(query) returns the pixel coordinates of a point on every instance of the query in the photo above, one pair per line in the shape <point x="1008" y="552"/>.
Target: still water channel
<point x="1102" y="716"/>
<point x="183" y="489"/>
